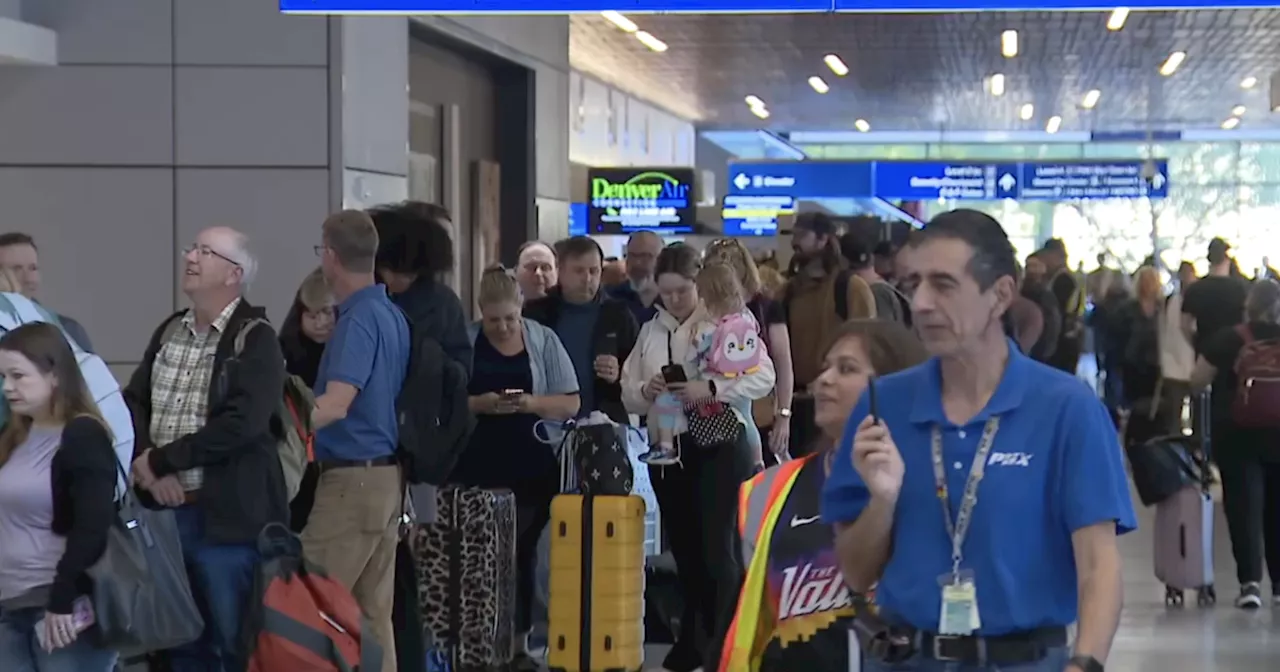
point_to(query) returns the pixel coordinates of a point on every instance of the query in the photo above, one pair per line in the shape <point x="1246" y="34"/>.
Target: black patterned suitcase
<point x="466" y="569"/>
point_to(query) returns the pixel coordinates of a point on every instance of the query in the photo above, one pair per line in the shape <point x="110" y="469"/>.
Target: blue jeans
<point x="20" y="651"/>
<point x="221" y="578"/>
<point x="1054" y="661"/>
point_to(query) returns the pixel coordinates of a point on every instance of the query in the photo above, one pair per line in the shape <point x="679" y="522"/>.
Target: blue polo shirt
<point x="1055" y="467"/>
<point x="369" y="349"/>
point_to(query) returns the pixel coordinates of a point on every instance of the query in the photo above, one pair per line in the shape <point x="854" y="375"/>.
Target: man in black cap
<point x="1215" y="302"/>
<point x="822" y="294"/>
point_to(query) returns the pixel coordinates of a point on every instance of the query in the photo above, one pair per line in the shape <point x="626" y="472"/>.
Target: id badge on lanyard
<point x="959" y="613"/>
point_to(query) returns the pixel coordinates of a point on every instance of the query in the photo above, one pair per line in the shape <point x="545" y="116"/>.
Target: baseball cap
<point x="1218" y="246"/>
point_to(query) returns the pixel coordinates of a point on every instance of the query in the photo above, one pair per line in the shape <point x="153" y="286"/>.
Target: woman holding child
<point x="697" y="485"/>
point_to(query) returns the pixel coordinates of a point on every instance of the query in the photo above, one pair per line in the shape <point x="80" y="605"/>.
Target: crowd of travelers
<point x="892" y="378"/>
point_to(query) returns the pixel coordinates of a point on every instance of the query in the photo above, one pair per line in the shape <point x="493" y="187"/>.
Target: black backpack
<point x="435" y="422"/>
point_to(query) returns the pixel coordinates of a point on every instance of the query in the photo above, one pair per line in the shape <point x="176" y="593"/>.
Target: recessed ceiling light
<point x="760" y="112"/>
<point x="1237" y="111"/>
<point x="652" y="42"/>
<point x="620" y="21"/>
<point x="837" y="66"/>
<point x="1171" y="64"/>
<point x="862" y="125"/>
<point x="1091" y="99"/>
<point x="1027" y="112"/>
<point x="997" y="85"/>
<point x="1009" y="43"/>
<point x="1055" y="122"/>
<point x="818" y="85"/>
<point x="754" y="101"/>
<point x="1249" y="82"/>
<point x="1231" y="123"/>
<point x="1118" y="16"/>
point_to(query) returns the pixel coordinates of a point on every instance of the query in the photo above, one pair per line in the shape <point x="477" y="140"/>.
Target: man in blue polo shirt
<point x="352" y="529"/>
<point x="986" y="498"/>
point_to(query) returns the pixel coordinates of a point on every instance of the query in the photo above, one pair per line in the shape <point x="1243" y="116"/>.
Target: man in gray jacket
<point x="19" y="254"/>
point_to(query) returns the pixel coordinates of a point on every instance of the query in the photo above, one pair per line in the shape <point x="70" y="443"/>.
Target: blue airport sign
<point x="952" y="180"/>
<point x="755" y="215"/>
<point x="722" y="6"/>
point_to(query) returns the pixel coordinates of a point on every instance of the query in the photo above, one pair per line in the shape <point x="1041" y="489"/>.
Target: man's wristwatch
<point x="1085" y="663"/>
<point x="783" y="413"/>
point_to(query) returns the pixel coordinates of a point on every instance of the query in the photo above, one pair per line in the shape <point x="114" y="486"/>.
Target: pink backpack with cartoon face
<point x="736" y="346"/>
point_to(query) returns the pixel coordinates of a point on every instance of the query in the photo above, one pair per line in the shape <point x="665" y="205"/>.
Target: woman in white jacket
<point x="698" y="497"/>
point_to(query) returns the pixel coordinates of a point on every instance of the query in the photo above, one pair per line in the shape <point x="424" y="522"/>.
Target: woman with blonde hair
<point x="1137" y="360"/>
<point x="307" y="326"/>
<point x="521" y="374"/>
<point x="57" y="489"/>
<point x="772" y="415"/>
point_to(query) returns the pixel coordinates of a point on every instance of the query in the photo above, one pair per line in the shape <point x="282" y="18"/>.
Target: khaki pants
<point x="352" y="535"/>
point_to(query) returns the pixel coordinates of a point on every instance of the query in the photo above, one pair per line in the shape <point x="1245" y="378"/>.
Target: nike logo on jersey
<point x="797" y="521"/>
<point x="810" y="590"/>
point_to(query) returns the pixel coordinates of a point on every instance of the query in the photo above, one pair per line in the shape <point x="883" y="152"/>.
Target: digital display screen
<point x="624" y="200"/>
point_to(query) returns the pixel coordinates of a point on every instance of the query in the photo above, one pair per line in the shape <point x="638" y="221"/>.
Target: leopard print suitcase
<point x="466" y="569"/>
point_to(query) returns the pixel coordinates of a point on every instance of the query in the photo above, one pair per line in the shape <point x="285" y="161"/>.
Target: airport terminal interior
<point x="1134" y="137"/>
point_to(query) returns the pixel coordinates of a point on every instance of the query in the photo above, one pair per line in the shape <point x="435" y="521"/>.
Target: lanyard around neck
<point x="958" y="528"/>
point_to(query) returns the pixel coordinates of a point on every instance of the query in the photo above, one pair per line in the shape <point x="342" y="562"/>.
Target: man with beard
<point x="822" y="295"/>
<point x="1035" y="288"/>
<point x="637" y="289"/>
<point x="1069" y="293"/>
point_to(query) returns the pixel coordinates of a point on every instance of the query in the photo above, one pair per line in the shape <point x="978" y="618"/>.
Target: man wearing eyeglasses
<point x="202" y="401"/>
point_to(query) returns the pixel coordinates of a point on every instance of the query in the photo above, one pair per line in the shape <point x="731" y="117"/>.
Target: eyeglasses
<point x="206" y="251"/>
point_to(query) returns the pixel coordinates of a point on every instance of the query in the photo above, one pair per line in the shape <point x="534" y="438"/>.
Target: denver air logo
<point x="647" y="190"/>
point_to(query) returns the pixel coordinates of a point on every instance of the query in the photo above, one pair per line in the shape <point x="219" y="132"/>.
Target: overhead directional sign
<point x="952" y="180"/>
<point x="755" y="215"/>
<point x="714" y="6"/>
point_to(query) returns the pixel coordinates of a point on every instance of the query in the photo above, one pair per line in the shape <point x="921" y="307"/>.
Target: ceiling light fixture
<point x="754" y="101"/>
<point x="837" y="66"/>
<point x="1027" y="112"/>
<point x="1237" y="111"/>
<point x="1249" y="82"/>
<point x="997" y="84"/>
<point x="818" y="84"/>
<point x="652" y="42"/>
<point x="627" y="25"/>
<point x="1055" y="122"/>
<point x="1171" y="64"/>
<point x="862" y="125"/>
<point x="1231" y="123"/>
<point x="1118" y="16"/>
<point x="1009" y="43"/>
<point x="1091" y="99"/>
<point x="760" y="112"/>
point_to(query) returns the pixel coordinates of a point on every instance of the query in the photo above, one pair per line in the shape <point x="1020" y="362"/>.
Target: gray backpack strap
<point x="243" y="334"/>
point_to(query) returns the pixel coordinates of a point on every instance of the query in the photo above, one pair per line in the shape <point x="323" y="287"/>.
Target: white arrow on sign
<point x="741" y="181"/>
<point x="1007" y="181"/>
<point x="1157" y="181"/>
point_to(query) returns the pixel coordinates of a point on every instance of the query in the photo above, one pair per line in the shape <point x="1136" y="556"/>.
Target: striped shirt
<point x="180" y="379"/>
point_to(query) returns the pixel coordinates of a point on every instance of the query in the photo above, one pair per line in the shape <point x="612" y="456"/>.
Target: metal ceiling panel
<point x="912" y="72"/>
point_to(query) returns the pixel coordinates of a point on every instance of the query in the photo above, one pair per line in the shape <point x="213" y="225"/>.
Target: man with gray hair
<point x="202" y="401"/>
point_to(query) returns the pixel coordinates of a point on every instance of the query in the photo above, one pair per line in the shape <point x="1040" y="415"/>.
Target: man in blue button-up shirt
<point x="352" y="529"/>
<point x="1035" y="547"/>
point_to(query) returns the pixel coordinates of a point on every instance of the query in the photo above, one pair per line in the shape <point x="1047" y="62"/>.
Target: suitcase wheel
<point x="1173" y="597"/>
<point x="1207" y="596"/>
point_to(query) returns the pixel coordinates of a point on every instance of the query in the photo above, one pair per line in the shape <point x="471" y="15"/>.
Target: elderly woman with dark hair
<point x="415" y="251"/>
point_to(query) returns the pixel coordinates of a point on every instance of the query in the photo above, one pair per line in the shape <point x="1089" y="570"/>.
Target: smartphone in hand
<point x="81" y="609"/>
<point x="607" y="345"/>
<point x="674" y="374"/>
<point x="872" y="401"/>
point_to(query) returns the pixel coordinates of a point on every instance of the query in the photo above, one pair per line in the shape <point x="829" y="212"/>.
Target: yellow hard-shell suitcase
<point x="596" y="611"/>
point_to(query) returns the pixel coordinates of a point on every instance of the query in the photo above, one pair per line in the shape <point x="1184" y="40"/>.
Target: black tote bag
<point x="141" y="596"/>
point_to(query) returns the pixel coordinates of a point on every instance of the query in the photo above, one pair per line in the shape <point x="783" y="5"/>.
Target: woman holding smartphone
<point x="521" y="374"/>
<point x="57" y="486"/>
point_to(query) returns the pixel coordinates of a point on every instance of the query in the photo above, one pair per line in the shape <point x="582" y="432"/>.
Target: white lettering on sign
<point x="806" y="590"/>
<point x="1010" y="459"/>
